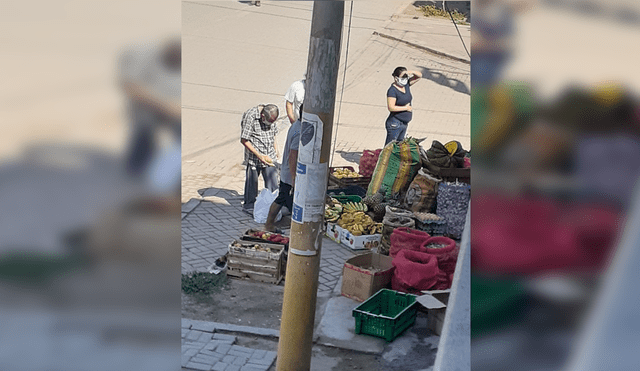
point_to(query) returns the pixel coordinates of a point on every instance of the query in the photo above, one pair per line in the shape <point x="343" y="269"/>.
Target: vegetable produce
<point x="345" y="173"/>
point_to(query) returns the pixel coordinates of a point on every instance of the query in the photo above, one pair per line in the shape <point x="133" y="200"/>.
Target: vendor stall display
<point x="343" y="176"/>
<point x="433" y="224"/>
<point x="404" y="238"/>
<point x="388" y="225"/>
<point x="368" y="162"/>
<point x="421" y="195"/>
<point x="397" y="165"/>
<point x="452" y="204"/>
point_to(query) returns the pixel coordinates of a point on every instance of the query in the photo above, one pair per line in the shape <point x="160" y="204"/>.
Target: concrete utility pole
<point x="301" y="284"/>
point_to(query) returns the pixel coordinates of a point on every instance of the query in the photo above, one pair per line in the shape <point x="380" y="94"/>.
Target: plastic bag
<point x="263" y="204"/>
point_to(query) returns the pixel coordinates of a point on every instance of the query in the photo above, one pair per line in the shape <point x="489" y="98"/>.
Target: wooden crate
<point x="243" y="262"/>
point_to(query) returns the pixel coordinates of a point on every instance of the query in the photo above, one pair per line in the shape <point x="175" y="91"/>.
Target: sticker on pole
<point x="310" y="139"/>
<point x="309" y="193"/>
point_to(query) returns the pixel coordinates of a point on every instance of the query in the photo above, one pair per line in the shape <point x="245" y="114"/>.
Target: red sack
<point x="415" y="271"/>
<point x="368" y="162"/>
<point x="447" y="256"/>
<point x="406" y="238"/>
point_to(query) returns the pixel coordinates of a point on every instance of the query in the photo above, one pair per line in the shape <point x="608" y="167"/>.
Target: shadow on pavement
<point x="353" y="157"/>
<point x="227" y="194"/>
<point x="443" y="80"/>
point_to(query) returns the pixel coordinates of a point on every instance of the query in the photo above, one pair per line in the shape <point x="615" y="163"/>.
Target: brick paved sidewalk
<point x="204" y="349"/>
<point x="212" y="224"/>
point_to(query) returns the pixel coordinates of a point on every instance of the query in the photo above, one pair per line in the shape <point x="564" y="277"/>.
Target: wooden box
<point x="244" y="261"/>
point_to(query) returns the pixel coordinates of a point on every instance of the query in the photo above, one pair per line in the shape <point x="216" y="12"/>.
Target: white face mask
<point x="402" y="81"/>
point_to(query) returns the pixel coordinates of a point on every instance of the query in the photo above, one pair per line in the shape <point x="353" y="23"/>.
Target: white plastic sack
<point x="164" y="174"/>
<point x="262" y="205"/>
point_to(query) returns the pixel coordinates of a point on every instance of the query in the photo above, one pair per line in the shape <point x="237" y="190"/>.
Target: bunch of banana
<point x="355" y="206"/>
<point x="356" y="222"/>
<point x="375" y="228"/>
<point x="345" y="173"/>
<point x="332" y="213"/>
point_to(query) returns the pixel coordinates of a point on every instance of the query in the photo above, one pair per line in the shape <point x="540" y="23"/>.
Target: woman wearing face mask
<point x="399" y="103"/>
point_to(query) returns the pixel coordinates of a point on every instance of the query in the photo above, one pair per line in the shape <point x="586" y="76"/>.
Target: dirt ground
<point x="239" y="302"/>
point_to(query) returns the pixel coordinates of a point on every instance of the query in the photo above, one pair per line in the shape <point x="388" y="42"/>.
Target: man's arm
<point x="142" y="94"/>
<point x="264" y="158"/>
<point x="293" y="163"/>
<point x="290" y="114"/>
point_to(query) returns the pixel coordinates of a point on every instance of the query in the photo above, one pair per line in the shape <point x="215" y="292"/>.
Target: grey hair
<point x="271" y="112"/>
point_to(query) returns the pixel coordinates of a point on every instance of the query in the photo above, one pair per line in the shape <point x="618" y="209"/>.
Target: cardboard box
<point x="371" y="241"/>
<point x="364" y="275"/>
<point x="435" y="302"/>
<point x="334" y="232"/>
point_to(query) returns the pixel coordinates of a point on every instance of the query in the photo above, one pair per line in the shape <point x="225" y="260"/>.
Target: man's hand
<point x="266" y="160"/>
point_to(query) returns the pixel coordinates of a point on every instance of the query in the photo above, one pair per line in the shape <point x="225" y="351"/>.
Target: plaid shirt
<point x="261" y="136"/>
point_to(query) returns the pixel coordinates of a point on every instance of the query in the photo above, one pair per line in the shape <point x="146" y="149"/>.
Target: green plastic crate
<point x="348" y="198"/>
<point x="386" y="314"/>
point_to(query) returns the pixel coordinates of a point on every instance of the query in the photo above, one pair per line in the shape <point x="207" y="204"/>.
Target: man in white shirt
<point x="294" y="99"/>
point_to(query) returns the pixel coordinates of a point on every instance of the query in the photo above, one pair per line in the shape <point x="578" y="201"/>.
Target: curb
<point x="429" y="50"/>
<point x="213" y="327"/>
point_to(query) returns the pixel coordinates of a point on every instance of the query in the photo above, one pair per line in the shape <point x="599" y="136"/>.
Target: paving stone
<point x="271" y="356"/>
<point x="206" y="359"/>
<point x="193" y="335"/>
<point x="205" y="337"/>
<point x="219" y="367"/>
<point x="185" y="360"/>
<point x="242" y="349"/>
<point x="198" y="366"/>
<point x="223" y="348"/>
<point x="232" y="368"/>
<point x="190" y="352"/>
<point x="236" y="353"/>
<point x="253" y="368"/>
<point x="239" y="361"/>
<point x="210" y="353"/>
<point x="259" y="354"/>
<point x="228" y="359"/>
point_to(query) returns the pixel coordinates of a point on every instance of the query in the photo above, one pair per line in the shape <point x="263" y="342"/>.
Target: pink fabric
<point x="530" y="236"/>
<point x="415" y="271"/>
<point x="406" y="238"/>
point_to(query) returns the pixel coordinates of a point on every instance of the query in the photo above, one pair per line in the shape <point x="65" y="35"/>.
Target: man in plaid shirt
<point x="258" y="137"/>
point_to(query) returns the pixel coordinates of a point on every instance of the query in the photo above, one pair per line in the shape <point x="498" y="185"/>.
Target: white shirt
<point x="295" y="95"/>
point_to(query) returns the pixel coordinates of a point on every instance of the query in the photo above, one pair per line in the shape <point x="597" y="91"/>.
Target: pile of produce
<point x="375" y="203"/>
<point x="368" y="162"/>
<point x="354" y="206"/>
<point x="253" y="247"/>
<point x="270" y="236"/>
<point x="359" y="223"/>
<point x="452" y="204"/>
<point x="332" y="212"/>
<point x="345" y="173"/>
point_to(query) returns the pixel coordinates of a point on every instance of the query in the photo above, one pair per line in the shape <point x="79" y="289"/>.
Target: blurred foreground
<point x="556" y="142"/>
<point x="89" y="252"/>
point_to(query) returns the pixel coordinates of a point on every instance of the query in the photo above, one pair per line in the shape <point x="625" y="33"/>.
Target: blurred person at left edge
<point x="150" y="77"/>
